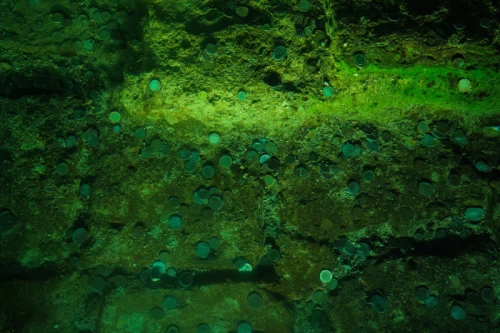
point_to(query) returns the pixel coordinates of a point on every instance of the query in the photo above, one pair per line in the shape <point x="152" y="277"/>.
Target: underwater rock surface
<point x="249" y="166"/>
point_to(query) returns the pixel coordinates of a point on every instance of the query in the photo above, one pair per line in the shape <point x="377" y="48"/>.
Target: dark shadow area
<point x="434" y="21"/>
<point x="15" y="271"/>
<point x="261" y="274"/>
<point x="422" y="7"/>
<point x="449" y="247"/>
